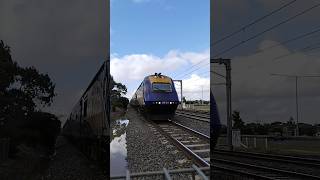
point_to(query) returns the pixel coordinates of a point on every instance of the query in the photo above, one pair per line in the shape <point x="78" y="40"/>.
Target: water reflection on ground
<point x="118" y="148"/>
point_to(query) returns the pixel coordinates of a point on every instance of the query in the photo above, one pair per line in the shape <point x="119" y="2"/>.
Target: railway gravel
<point x="71" y="164"/>
<point x="147" y="149"/>
<point x="203" y="127"/>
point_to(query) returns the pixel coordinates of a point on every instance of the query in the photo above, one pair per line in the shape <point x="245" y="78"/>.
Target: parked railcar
<point x="156" y="97"/>
<point x="215" y="124"/>
<point x="88" y="123"/>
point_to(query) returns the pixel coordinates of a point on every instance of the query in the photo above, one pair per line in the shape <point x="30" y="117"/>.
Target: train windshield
<point x="163" y="87"/>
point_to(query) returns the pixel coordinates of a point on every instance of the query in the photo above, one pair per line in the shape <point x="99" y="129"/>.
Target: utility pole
<point x="227" y="64"/>
<point x="180" y="81"/>
<point x="202" y="95"/>
<point x="297" y="103"/>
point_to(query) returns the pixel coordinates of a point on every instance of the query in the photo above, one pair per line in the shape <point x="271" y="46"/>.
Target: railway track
<point x="258" y="171"/>
<point x="195" y="145"/>
<point x="266" y="166"/>
<point x="272" y="157"/>
<point x="192" y="115"/>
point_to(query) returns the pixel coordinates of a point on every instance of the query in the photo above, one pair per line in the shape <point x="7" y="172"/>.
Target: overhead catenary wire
<point x="183" y="75"/>
<point x="253" y="23"/>
<point x="269" y="29"/>
<point x="289" y="40"/>
<point x="304" y="49"/>
<point x="191" y="67"/>
<point x="218" y="74"/>
<point x="266" y="30"/>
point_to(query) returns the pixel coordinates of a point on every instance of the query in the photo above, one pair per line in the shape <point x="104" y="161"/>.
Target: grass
<point x="289" y="147"/>
<point x="199" y="107"/>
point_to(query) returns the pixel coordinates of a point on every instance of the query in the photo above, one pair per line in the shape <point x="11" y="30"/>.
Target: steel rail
<point x="193" y="115"/>
<point x="198" y="118"/>
<point x="153" y="173"/>
<point x="206" y="116"/>
<point x="204" y="162"/>
<point x="235" y="171"/>
<point x="187" y="151"/>
<point x="271" y="157"/>
<point x="285" y="173"/>
<point x="199" y="134"/>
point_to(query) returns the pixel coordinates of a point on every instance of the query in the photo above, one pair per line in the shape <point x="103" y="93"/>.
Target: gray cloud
<point x="66" y="39"/>
<point x="259" y="96"/>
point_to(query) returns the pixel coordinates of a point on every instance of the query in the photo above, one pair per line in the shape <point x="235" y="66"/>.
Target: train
<point x="215" y="124"/>
<point x="156" y="97"/>
<point x="88" y="123"/>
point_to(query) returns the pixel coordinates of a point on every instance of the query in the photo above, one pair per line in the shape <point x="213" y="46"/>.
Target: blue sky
<point x="165" y="36"/>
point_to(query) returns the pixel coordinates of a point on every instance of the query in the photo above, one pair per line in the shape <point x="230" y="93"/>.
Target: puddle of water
<point x="118" y="148"/>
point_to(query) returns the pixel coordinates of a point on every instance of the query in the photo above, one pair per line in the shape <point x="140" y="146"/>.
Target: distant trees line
<point x="274" y="128"/>
<point x="23" y="90"/>
<point x="195" y="101"/>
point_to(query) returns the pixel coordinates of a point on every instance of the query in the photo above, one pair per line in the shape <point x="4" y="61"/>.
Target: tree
<point x="22" y="90"/>
<point x="118" y="90"/>
<point x="237" y="121"/>
<point x="184" y="99"/>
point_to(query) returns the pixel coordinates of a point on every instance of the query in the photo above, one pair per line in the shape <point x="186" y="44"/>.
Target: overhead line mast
<point x="296" y="81"/>
<point x="227" y="63"/>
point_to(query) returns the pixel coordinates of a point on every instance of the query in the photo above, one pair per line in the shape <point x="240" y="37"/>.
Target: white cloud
<point x="131" y="69"/>
<point x="196" y="87"/>
<point x="195" y="58"/>
<point x="136" y="66"/>
<point x="118" y="145"/>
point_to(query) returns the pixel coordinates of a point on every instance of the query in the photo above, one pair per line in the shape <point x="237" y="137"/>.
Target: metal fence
<point x="269" y="143"/>
<point x="4" y="148"/>
<point x="187" y="173"/>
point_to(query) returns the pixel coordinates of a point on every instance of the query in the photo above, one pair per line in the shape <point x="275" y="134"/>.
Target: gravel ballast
<point x="148" y="150"/>
<point x="71" y="164"/>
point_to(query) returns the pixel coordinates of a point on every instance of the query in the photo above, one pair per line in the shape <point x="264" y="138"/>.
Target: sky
<point x="66" y="39"/>
<point x="259" y="96"/>
<point x="166" y="36"/>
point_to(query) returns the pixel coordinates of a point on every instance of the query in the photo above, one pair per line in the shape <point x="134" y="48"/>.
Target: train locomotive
<point x="156" y="97"/>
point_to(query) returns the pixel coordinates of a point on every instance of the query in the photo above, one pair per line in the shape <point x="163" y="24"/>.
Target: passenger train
<point x="215" y="124"/>
<point x="88" y="123"/>
<point x="156" y="97"/>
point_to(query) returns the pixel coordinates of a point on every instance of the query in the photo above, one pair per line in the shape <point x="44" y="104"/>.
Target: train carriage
<point x="88" y="123"/>
<point x="156" y="97"/>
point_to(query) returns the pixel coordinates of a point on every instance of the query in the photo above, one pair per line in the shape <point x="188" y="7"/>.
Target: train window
<point x="165" y="87"/>
<point x="85" y="108"/>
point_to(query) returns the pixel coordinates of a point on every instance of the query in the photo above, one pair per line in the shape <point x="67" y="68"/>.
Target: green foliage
<point x="117" y="91"/>
<point x="237" y="121"/>
<point x="271" y="128"/>
<point x="22" y="89"/>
